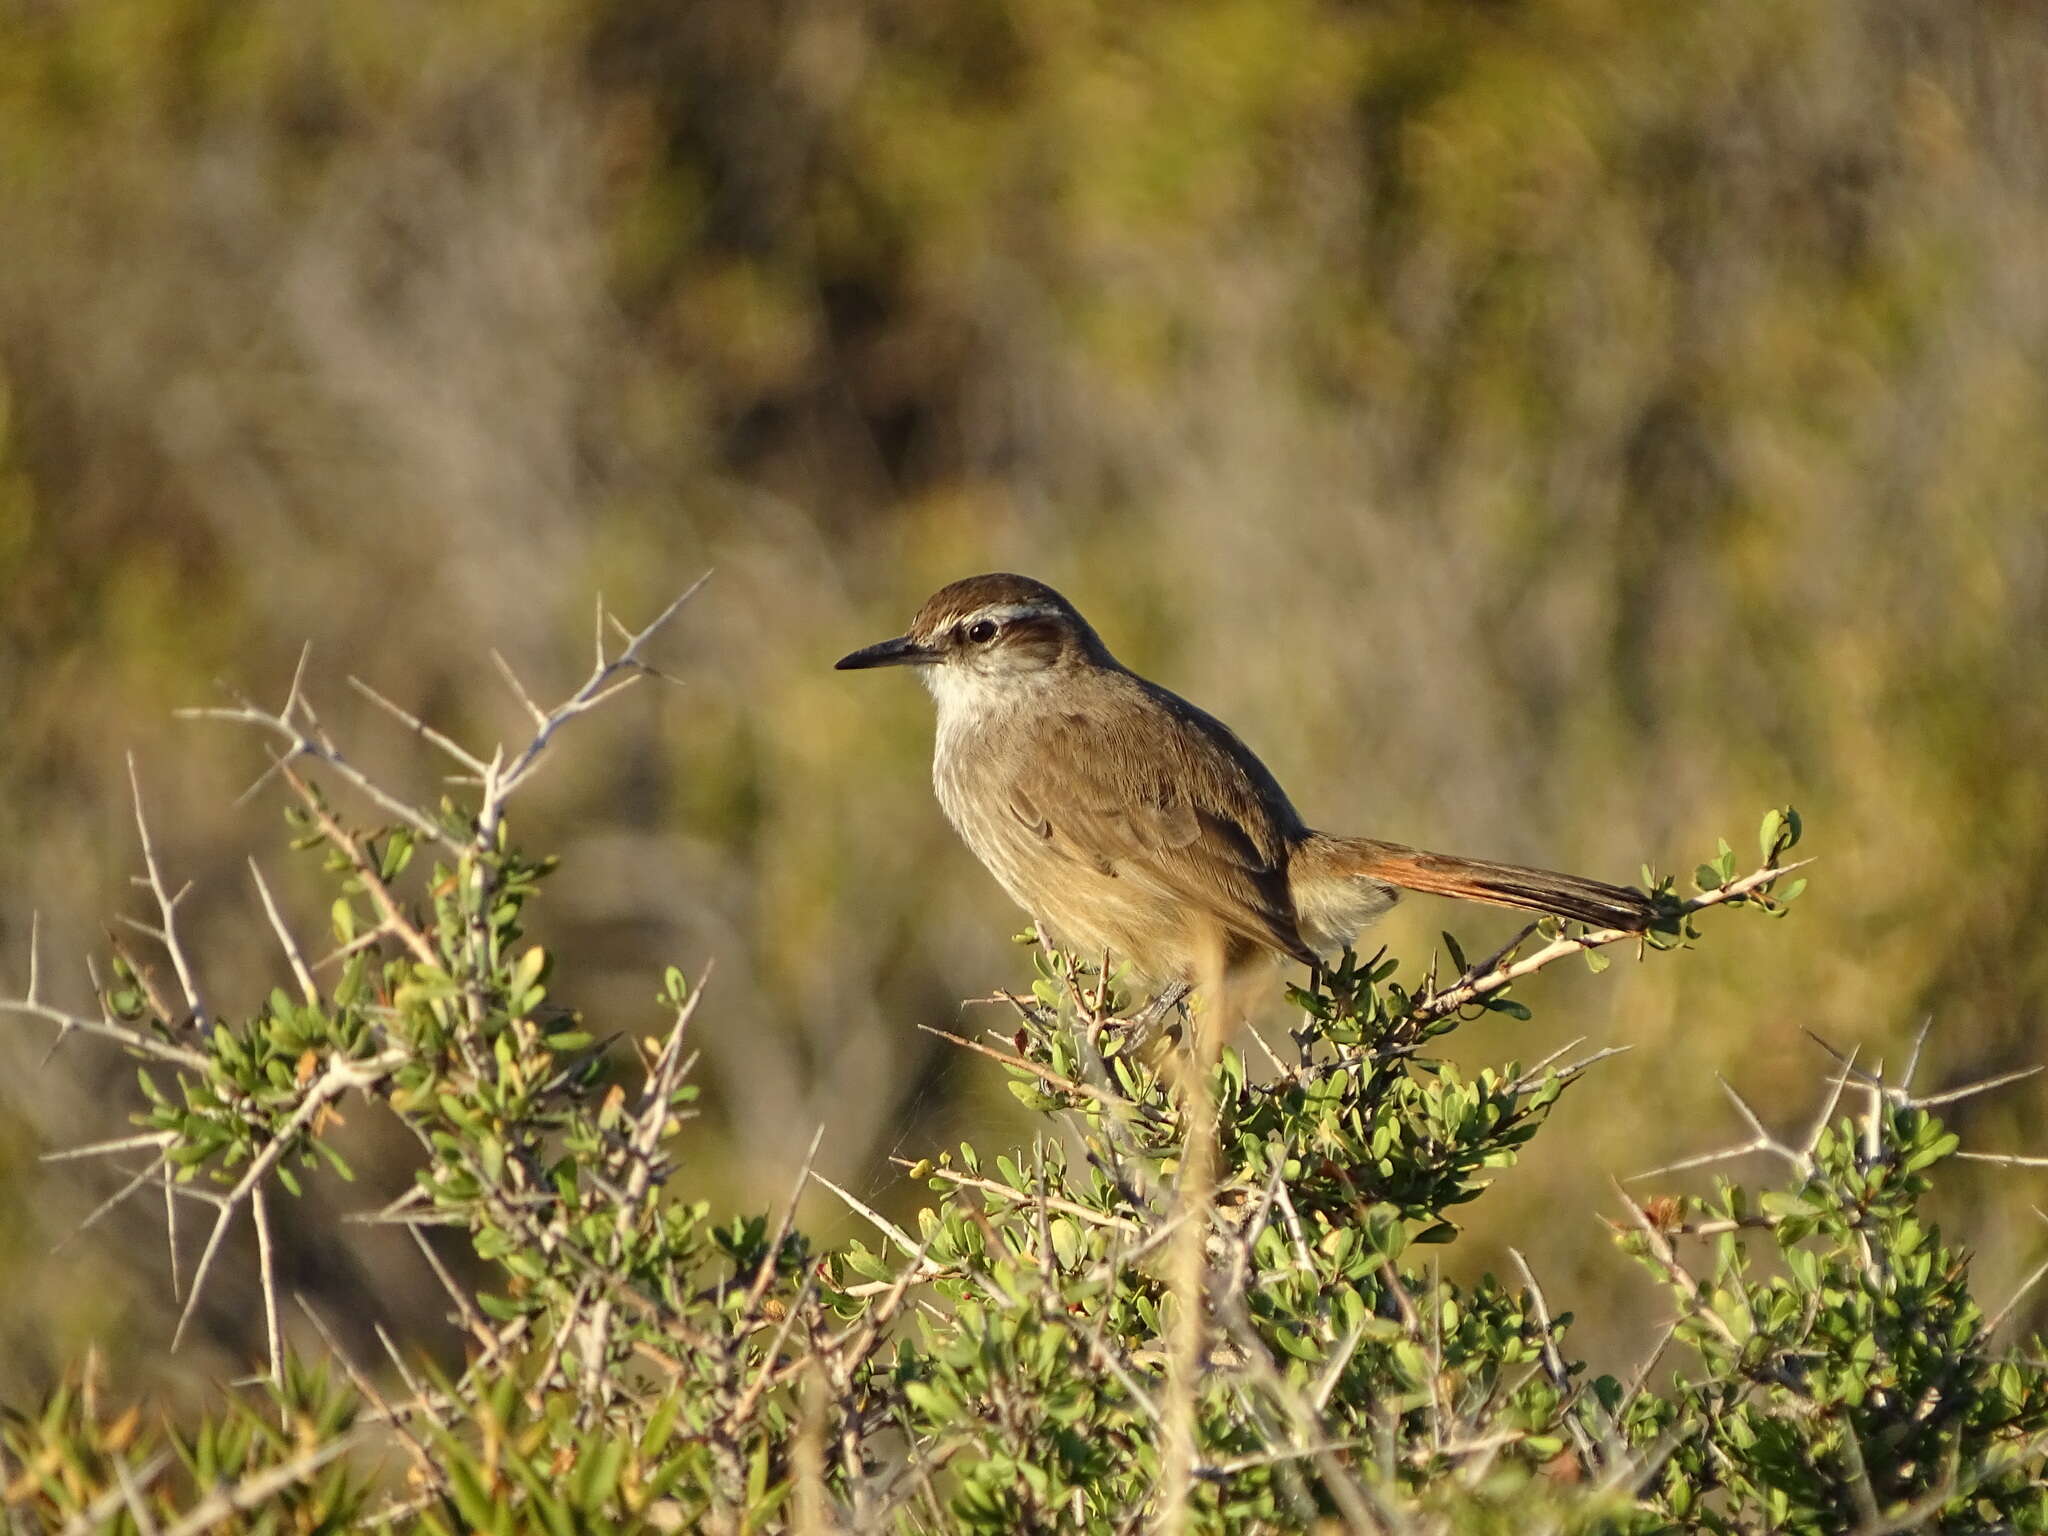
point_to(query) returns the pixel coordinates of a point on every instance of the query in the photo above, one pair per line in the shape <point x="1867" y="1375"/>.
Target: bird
<point x="1127" y="821"/>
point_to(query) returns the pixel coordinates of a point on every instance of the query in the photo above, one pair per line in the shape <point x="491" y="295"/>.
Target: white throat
<point x="970" y="697"/>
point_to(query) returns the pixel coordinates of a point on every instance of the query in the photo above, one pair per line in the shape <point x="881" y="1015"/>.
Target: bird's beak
<point x="900" y="652"/>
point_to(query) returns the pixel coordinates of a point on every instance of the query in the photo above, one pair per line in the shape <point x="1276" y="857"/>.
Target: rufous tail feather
<point x="1593" y="902"/>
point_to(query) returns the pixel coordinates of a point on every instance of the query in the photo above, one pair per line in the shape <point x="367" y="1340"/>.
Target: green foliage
<point x="1204" y="1293"/>
<point x="1603" y="400"/>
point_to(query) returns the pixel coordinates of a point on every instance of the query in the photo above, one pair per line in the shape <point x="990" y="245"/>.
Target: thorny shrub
<point x="1199" y="1298"/>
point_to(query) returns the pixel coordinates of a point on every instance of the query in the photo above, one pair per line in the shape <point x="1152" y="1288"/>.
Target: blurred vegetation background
<point x="1546" y="429"/>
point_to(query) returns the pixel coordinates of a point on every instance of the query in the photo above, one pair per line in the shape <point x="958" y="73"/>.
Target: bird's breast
<point x="973" y="790"/>
<point x="1087" y="906"/>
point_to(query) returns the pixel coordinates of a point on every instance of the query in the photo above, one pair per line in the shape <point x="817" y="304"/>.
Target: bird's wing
<point x="1202" y="821"/>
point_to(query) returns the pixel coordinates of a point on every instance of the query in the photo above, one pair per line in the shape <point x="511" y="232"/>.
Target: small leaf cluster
<point x="1845" y="1369"/>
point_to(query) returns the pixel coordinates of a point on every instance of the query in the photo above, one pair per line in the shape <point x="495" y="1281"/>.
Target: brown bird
<point x="1123" y="818"/>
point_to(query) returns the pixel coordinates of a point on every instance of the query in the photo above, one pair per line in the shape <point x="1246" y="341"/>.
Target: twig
<point x="655" y="1111"/>
<point x="1553" y="1363"/>
<point x="284" y="937"/>
<point x="145" y="1522"/>
<point x="373" y="882"/>
<point x="423" y="1461"/>
<point x="472" y="1319"/>
<point x="764" y="1273"/>
<point x="119" y="1195"/>
<point x="253" y="1491"/>
<point x="1048" y="1201"/>
<point x="418" y="726"/>
<point x="31" y="1005"/>
<point x="314" y="746"/>
<point x="331" y="1084"/>
<point x="166" y="903"/>
<point x="1570" y="1071"/>
<point x="109" y="1148"/>
<point x="883" y="1224"/>
<point x="606" y="678"/>
<point x="1043" y="1074"/>
<point x="1440" y="1004"/>
<point x="1676" y="1274"/>
<point x="743" y="1410"/>
<point x="1312" y="1441"/>
<point x="96" y="1514"/>
<point x="266" y="1269"/>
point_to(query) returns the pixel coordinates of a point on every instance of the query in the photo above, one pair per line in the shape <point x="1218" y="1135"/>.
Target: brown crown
<point x="952" y="603"/>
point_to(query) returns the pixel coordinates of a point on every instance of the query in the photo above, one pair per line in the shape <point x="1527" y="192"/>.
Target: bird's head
<point x="988" y="635"/>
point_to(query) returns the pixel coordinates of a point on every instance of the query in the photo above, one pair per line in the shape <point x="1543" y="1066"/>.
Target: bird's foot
<point x="1165" y="1001"/>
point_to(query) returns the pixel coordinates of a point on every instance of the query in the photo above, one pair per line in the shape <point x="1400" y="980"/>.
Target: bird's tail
<point x="1593" y="902"/>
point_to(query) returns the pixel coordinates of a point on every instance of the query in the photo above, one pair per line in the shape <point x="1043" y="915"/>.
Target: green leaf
<point x="1933" y="1152"/>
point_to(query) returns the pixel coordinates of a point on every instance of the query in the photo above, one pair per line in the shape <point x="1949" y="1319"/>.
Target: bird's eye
<point x="981" y="631"/>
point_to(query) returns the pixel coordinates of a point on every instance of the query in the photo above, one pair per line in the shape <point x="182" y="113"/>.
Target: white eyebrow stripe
<point x="1004" y="613"/>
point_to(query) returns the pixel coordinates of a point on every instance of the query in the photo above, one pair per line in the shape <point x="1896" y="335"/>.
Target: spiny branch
<point x="608" y="676"/>
<point x="31" y="1005"/>
<point x="167" y="904"/>
<point x="331" y="1084"/>
<point x="310" y="739"/>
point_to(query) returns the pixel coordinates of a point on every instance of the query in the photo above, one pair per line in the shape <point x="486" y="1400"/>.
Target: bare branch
<point x="1971" y="1090"/>
<point x="284" y="937"/>
<point x="606" y="678"/>
<point x="2004" y="1159"/>
<point x="764" y="1274"/>
<point x="266" y="1271"/>
<point x="1571" y="1070"/>
<point x="423" y="1462"/>
<point x="170" y="1188"/>
<point x="418" y="726"/>
<point x="1992" y="1323"/>
<point x="117" y="1197"/>
<point x="883" y="1224"/>
<point x="167" y="903"/>
<point x="655" y="1112"/>
<point x="1043" y="1074"/>
<point x="540" y="716"/>
<point x="1913" y="1060"/>
<point x="322" y="751"/>
<point x="133" y="1039"/>
<point x="1676" y="1274"/>
<point x="109" y="1148"/>
<point x="1821" y="1121"/>
<point x="145" y="1522"/>
<point x="1049" y="1201"/>
<point x="331" y="1084"/>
